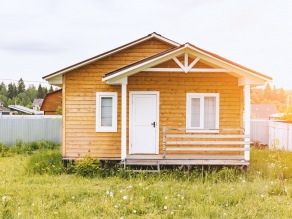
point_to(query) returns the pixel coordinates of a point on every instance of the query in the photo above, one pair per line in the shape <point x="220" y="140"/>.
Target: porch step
<point x="138" y="162"/>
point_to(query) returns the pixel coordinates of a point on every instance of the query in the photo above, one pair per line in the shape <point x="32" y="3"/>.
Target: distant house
<point x="51" y="102"/>
<point x="37" y="104"/>
<point x="3" y="110"/>
<point x="25" y="110"/>
<point x="263" y="111"/>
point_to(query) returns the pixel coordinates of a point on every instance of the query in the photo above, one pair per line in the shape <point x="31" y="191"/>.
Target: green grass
<point x="263" y="192"/>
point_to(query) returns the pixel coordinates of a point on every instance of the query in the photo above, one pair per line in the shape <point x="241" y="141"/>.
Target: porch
<point x="229" y="146"/>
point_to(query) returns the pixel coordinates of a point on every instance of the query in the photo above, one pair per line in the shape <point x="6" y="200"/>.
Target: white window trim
<point x="114" y="96"/>
<point x="188" y="112"/>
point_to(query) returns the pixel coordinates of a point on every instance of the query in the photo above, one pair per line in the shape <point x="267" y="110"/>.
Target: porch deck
<point x="158" y="159"/>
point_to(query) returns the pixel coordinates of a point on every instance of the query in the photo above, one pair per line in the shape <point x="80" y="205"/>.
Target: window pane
<point x="195" y="112"/>
<point x="106" y="111"/>
<point x="209" y="112"/>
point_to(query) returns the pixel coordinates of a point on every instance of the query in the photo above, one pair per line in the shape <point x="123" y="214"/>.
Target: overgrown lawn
<point x="263" y="192"/>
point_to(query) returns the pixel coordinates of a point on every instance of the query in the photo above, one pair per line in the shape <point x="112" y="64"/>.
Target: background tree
<point x="51" y="89"/>
<point x="12" y="91"/>
<point x="21" y="86"/>
<point x="40" y="93"/>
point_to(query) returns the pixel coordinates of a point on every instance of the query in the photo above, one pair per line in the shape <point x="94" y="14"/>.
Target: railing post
<point x="164" y="140"/>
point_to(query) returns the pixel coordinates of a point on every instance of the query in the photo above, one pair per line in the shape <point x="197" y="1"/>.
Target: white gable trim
<point x="226" y="63"/>
<point x="225" y="66"/>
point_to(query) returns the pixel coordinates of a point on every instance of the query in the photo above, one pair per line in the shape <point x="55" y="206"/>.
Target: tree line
<point x="20" y="95"/>
<point x="269" y="95"/>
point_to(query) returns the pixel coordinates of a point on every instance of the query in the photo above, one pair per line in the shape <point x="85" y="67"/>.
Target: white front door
<point x="144" y="107"/>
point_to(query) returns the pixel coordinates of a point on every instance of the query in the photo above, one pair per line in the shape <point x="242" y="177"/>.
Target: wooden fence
<point x="30" y="128"/>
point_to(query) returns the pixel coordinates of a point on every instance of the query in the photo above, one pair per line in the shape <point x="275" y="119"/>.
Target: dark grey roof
<point x="37" y="102"/>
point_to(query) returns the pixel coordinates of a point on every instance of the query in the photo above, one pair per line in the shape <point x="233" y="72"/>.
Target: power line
<point x="4" y="79"/>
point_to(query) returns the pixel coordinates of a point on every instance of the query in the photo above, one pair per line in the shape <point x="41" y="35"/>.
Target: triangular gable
<point x="56" y="77"/>
<point x="187" y="57"/>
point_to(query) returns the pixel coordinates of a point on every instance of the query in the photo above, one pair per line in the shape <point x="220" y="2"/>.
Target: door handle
<point x="153" y="123"/>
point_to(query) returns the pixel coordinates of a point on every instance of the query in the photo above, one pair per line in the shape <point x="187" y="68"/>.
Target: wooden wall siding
<point x="80" y="137"/>
<point x="174" y="86"/>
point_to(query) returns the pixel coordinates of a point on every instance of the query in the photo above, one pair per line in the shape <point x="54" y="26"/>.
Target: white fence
<point x="30" y="128"/>
<point x="280" y="135"/>
<point x="259" y="131"/>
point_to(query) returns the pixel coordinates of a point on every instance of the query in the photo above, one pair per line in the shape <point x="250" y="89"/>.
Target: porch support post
<point x="124" y="122"/>
<point x="247" y="120"/>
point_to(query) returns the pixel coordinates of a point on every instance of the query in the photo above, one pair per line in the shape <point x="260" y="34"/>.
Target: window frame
<point x="114" y="96"/>
<point x="188" y="112"/>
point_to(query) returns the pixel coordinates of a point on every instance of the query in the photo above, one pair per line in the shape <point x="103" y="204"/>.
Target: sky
<point x="39" y="37"/>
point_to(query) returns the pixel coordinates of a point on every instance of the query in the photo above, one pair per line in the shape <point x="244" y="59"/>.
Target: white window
<point x="202" y="112"/>
<point x="106" y="111"/>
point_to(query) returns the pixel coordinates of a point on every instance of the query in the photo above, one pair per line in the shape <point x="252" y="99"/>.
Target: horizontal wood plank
<point x="207" y="142"/>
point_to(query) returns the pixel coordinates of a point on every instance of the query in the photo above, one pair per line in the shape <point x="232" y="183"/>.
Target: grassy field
<point x="263" y="192"/>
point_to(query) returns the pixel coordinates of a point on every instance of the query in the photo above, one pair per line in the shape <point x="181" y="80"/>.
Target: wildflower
<point x="165" y="197"/>
<point x="272" y="182"/>
<point x="32" y="204"/>
<point x="125" y="197"/>
<point x="182" y="197"/>
<point x="243" y="181"/>
<point x="146" y="188"/>
<point x="107" y="192"/>
<point x="73" y="197"/>
<point x="179" y="206"/>
<point x="129" y="187"/>
<point x="4" y="198"/>
<point x="171" y="212"/>
<point x="140" y="184"/>
<point x="131" y="199"/>
<point x="262" y="196"/>
<point x="18" y="214"/>
<point x="165" y="207"/>
<point x="134" y="211"/>
<point x="111" y="194"/>
<point x="121" y="190"/>
<point x="178" y="195"/>
<point x="116" y="206"/>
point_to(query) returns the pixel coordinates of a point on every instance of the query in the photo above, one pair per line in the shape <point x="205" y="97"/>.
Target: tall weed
<point x="45" y="162"/>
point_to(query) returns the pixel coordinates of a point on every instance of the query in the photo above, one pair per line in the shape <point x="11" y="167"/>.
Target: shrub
<point x="4" y="150"/>
<point x="45" y="162"/>
<point x="87" y="167"/>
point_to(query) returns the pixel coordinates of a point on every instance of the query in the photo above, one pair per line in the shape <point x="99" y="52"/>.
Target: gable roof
<point x="37" y="102"/>
<point x="170" y="53"/>
<point x="263" y="111"/>
<point x="243" y="73"/>
<point x="110" y="52"/>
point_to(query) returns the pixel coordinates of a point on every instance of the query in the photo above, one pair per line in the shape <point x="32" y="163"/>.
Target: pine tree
<point x="268" y="92"/>
<point x="21" y="86"/>
<point x="51" y="89"/>
<point x="12" y="91"/>
<point x="40" y="94"/>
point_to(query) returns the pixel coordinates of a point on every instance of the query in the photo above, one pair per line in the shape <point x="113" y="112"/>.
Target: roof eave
<point x="103" y="55"/>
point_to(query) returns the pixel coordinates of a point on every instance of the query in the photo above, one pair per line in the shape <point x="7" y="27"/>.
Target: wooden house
<point x="156" y="101"/>
<point x="51" y="102"/>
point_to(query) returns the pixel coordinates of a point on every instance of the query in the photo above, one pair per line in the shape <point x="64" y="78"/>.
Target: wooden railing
<point x="234" y="137"/>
